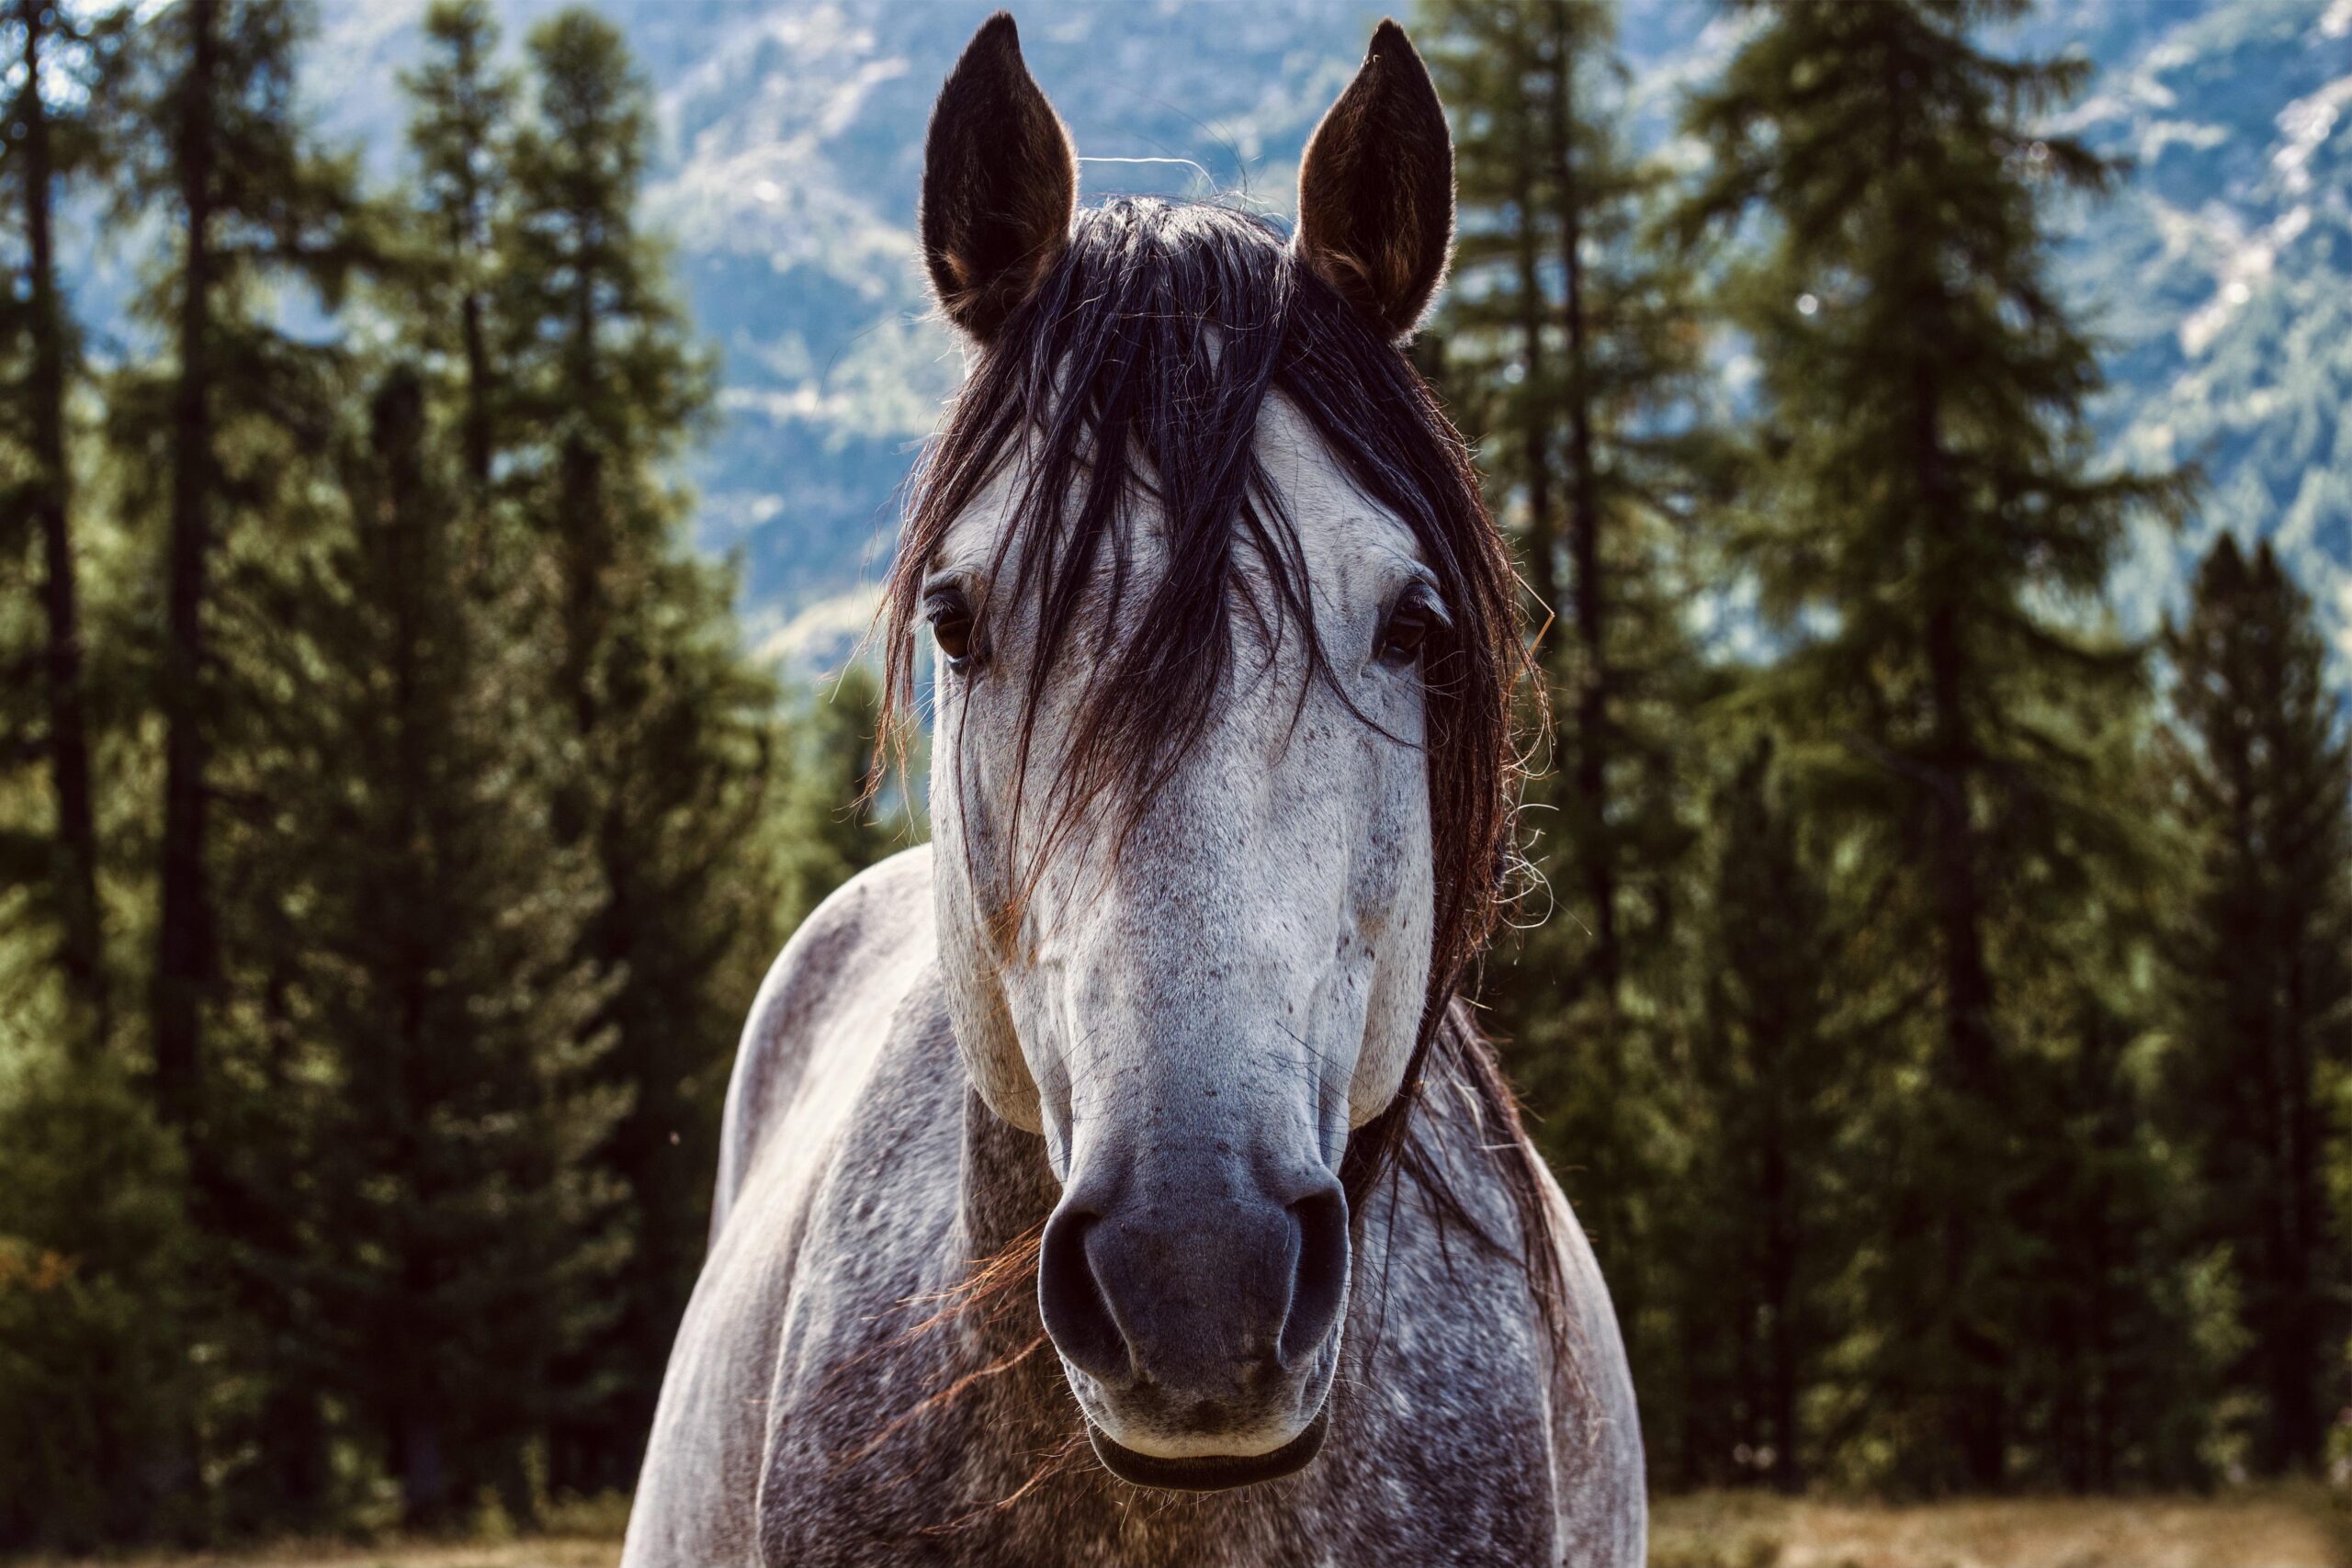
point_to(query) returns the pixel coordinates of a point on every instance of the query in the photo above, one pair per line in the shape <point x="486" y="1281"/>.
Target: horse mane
<point x="1140" y="365"/>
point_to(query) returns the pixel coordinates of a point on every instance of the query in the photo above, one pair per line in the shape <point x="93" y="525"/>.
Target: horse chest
<point x="840" y="1398"/>
<point x="947" y="1449"/>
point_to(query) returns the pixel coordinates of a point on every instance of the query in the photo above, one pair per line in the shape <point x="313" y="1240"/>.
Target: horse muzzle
<point x="1199" y="1327"/>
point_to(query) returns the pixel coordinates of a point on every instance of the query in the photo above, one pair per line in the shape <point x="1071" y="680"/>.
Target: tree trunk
<point x="84" y="949"/>
<point x="184" y="950"/>
<point x="1975" y="1412"/>
<point x="2299" y="1355"/>
<point x="403" y="537"/>
<point x="424" y="1469"/>
<point x="1970" y="1062"/>
<point x="1590" y="774"/>
<point x="1535" y="442"/>
<point x="1781" y="1222"/>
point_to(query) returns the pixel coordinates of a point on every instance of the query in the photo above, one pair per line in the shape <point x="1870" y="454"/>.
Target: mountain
<point x="792" y="134"/>
<point x="2219" y="274"/>
<point x="2220" y="278"/>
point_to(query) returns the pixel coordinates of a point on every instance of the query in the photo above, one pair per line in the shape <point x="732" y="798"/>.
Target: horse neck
<point x="1007" y="1189"/>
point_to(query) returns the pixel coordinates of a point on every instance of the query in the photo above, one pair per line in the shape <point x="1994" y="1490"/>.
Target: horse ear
<point x="1000" y="182"/>
<point x="1376" y="188"/>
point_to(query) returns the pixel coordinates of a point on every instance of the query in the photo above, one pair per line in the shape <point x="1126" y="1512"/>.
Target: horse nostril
<point x="1070" y="1299"/>
<point x="1320" y="1290"/>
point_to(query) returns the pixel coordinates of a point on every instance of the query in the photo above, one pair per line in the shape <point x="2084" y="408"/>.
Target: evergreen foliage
<point x="55" y="140"/>
<point x="95" y="1255"/>
<point x="449" y="802"/>
<point x="1571" y="348"/>
<point x="673" y="753"/>
<point x="215" y="445"/>
<point x="831" y="831"/>
<point x="1768" y="1184"/>
<point x="1932" y="542"/>
<point x="2263" y="966"/>
<point x="216" y="148"/>
<point x="467" y="1241"/>
<point x="462" y="104"/>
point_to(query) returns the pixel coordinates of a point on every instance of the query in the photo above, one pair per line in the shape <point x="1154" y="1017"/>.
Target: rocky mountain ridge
<point x="2219" y="274"/>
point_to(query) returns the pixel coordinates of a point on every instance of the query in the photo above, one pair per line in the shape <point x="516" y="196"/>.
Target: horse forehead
<point x="1350" y="543"/>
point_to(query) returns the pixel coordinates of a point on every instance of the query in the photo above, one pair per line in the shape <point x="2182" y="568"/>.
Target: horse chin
<point x="1210" y="1472"/>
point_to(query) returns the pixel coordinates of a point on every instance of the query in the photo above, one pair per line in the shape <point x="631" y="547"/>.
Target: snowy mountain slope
<point x="2220" y="276"/>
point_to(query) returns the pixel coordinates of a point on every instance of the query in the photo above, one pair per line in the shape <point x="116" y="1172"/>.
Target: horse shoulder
<point x="831" y="991"/>
<point x="809" y="1052"/>
<point x="1582" y="1417"/>
<point x="1598" y="1429"/>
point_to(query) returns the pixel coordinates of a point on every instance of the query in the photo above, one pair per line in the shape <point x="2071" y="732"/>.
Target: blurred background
<point x="446" y="456"/>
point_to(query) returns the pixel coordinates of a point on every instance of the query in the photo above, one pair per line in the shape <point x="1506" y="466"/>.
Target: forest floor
<point x="522" y="1552"/>
<point x="2305" y="1528"/>
<point x="2282" y="1528"/>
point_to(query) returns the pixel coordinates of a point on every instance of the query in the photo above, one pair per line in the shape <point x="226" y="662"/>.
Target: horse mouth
<point x="1210" y="1472"/>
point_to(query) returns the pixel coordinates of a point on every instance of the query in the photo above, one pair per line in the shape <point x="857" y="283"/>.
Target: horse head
<point x="1222" y="768"/>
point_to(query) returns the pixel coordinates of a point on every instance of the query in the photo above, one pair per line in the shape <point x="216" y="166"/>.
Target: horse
<point x="1121" y="1179"/>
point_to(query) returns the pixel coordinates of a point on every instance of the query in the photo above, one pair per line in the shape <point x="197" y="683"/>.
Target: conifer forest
<point x="1931" y="980"/>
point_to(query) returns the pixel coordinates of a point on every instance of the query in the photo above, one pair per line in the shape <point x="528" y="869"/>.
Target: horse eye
<point x="1409" y="628"/>
<point x="951" y="628"/>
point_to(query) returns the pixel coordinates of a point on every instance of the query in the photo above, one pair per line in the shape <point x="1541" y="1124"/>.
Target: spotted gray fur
<point x="1156" y="1040"/>
<point x="794" y="1429"/>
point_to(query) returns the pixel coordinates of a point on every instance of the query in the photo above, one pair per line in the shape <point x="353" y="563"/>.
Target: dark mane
<point x="1140" y="365"/>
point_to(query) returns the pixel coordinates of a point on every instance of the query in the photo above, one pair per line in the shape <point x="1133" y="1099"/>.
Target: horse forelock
<point x="1141" y="366"/>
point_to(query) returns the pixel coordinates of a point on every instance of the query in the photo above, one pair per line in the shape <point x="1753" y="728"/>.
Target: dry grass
<point x="2283" y="1527"/>
<point x="2271" y="1528"/>
<point x="535" y="1552"/>
<point x="532" y="1552"/>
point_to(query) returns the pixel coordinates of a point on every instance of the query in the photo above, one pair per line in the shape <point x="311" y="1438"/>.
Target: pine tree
<point x="218" y="451"/>
<point x="468" y="1236"/>
<point x="1932" y="544"/>
<point x="249" y="201"/>
<point x="461" y="116"/>
<point x="54" y="139"/>
<point x="1571" y="350"/>
<point x="2118" y="1380"/>
<point x="830" y="827"/>
<point x="94" y="1374"/>
<point x="670" y="722"/>
<point x="2264" y="962"/>
<point x="1773" y="1081"/>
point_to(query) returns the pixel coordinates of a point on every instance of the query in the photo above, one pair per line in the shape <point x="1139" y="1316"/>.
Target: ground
<point x="2269" y="1528"/>
<point x="2308" y="1528"/>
